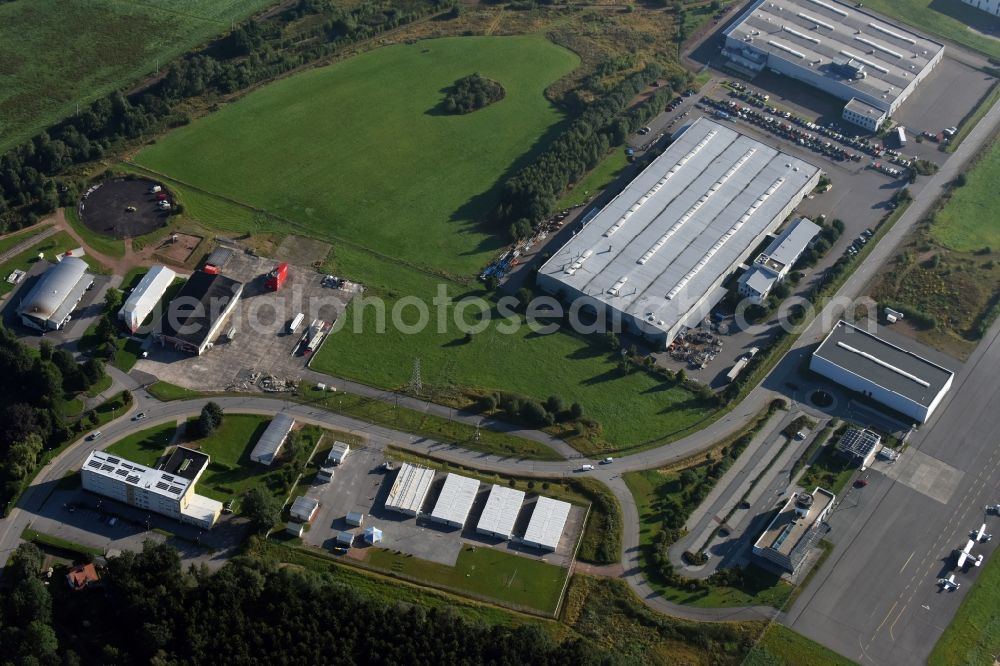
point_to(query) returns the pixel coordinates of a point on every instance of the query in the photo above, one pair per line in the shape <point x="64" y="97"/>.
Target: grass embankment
<point x="430" y="426"/>
<point x="780" y="646"/>
<point x="947" y="18"/>
<point x="602" y="535"/>
<point x="973" y="637"/>
<point x="945" y="275"/>
<point x="61" y="53"/>
<point x="146" y="446"/>
<point x="599" y="178"/>
<point x="485" y="573"/>
<point x="167" y="392"/>
<point x="664" y="500"/>
<point x="46" y="541"/>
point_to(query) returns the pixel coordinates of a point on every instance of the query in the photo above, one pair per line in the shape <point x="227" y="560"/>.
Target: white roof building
<point x="47" y="307"/>
<point x="169" y="494"/>
<point x="345" y="539"/>
<point x="548" y="520"/>
<point x="145" y="296"/>
<point x="501" y="511"/>
<point x="409" y="490"/>
<point x="656" y="256"/>
<point x="338" y="453"/>
<point x="304" y="508"/>
<point x="355" y="518"/>
<point x="272" y="439"/>
<point x="774" y="263"/>
<point x="455" y="501"/>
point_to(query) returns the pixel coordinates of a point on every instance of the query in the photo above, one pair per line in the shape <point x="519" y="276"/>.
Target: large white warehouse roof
<point x="272" y="439"/>
<point x="455" y="501"/>
<point x="680" y="227"/>
<point x="145" y="296"/>
<point x="57" y="292"/>
<point x="547" y="523"/>
<point x="500" y="512"/>
<point x="409" y="490"/>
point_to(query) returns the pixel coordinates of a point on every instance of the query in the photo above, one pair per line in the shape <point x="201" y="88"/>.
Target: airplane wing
<point x="961" y="559"/>
<point x="969" y="546"/>
<point x="981" y="533"/>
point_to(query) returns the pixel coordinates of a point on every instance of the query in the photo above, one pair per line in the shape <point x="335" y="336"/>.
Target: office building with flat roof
<point x="795" y="529"/>
<point x="841" y="49"/>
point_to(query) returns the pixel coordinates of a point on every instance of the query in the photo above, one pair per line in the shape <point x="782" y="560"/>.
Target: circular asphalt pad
<point x="124" y="208"/>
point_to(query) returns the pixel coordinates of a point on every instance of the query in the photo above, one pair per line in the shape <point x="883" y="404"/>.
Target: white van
<point x="295" y="322"/>
<point x="586" y="468"/>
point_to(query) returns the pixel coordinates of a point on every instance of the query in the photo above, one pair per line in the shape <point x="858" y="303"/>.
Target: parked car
<point x="94" y="435"/>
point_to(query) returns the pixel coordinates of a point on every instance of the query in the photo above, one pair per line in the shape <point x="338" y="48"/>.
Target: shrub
<point x="471" y="93"/>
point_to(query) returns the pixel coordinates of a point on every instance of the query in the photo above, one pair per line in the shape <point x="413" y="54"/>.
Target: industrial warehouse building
<point x="500" y="513"/>
<point x="48" y="305"/>
<point x="409" y="490"/>
<point x="272" y="439"/>
<point x="548" y="520"/>
<point x="455" y="501"/>
<point x="168" y="491"/>
<point x="795" y="529"/>
<point x="990" y="6"/>
<point x="656" y="256"/>
<point x="196" y="315"/>
<point x="841" y="49"/>
<point x="145" y="296"/>
<point x="773" y="264"/>
<point x="891" y="375"/>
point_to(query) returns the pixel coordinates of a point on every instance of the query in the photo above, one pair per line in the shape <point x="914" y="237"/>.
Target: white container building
<point x="145" y="296"/>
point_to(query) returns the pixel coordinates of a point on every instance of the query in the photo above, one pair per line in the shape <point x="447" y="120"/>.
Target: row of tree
<point x="251" y="611"/>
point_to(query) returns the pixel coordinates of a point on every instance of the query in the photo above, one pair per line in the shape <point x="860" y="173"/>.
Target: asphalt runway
<point x="877" y="600"/>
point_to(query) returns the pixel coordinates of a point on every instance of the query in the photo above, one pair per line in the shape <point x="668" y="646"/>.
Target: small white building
<point x="304" y="508"/>
<point x="345" y="539"/>
<point x="373" y="535"/>
<point x="501" y="511"/>
<point x="455" y="501"/>
<point x="338" y="454"/>
<point x="861" y="445"/>
<point x="145" y="296"/>
<point x="548" y="521"/>
<point x="355" y="518"/>
<point x="273" y="438"/>
<point x="773" y="264"/>
<point x="295" y="529"/>
<point x="410" y="489"/>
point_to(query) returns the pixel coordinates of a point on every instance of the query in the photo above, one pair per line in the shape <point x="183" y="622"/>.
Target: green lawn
<point x="9" y="242"/>
<point x="97" y="242"/>
<point x="780" y="646"/>
<point x="99" y="387"/>
<point x="830" y="471"/>
<point x="231" y="472"/>
<point x="947" y="18"/>
<point x="145" y="446"/>
<point x="57" y="243"/>
<point x="166" y="392"/>
<point x="358" y="150"/>
<point x="973" y="636"/>
<point x="484" y="572"/>
<point x="57" y="53"/>
<point x="968" y="222"/>
<point x="600" y="177"/>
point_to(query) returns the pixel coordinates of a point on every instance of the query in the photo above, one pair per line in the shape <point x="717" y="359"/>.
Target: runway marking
<point x="893" y="625"/>
<point x="885" y="619"/>
<point x="907" y="561"/>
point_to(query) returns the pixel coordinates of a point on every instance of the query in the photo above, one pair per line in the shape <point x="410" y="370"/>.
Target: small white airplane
<point x="966" y="554"/>
<point x="949" y="583"/>
<point x="981" y="535"/>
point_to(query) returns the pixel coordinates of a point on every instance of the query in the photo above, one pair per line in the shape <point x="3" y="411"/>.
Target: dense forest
<point x="33" y="396"/>
<point x="471" y="93"/>
<point x="147" y="610"/>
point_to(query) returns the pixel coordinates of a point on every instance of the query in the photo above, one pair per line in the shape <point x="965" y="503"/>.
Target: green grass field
<point x="10" y="241"/>
<point x="973" y="637"/>
<point x="231" y="472"/>
<point x="145" y="446"/>
<point x="165" y="392"/>
<point x="57" y="53"/>
<point x="359" y="150"/>
<point x="55" y="244"/>
<point x="947" y="18"/>
<point x="780" y="646"/>
<point x="484" y="572"/>
<point x="968" y="221"/>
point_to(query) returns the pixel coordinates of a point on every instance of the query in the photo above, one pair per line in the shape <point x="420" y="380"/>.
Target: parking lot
<point x="362" y="484"/>
<point x="262" y="345"/>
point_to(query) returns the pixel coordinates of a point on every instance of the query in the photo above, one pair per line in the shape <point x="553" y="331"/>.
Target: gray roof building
<point x="48" y="305"/>
<point x="272" y="439"/>
<point x="860" y="444"/>
<point x="657" y="254"/>
<point x="795" y="529"/>
<point x="195" y="316"/>
<point x="777" y="260"/>
<point x="839" y="48"/>
<point x="894" y="376"/>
